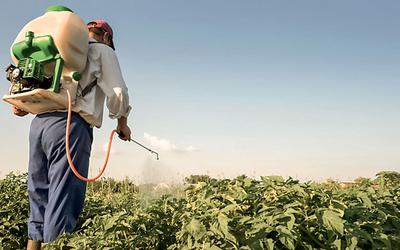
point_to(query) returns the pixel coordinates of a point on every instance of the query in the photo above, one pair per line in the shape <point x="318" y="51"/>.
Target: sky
<point x="307" y="88"/>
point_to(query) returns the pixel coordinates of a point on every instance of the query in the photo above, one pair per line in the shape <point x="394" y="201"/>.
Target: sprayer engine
<point x="27" y="76"/>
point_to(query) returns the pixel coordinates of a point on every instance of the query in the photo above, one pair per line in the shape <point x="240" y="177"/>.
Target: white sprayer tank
<point x="70" y="35"/>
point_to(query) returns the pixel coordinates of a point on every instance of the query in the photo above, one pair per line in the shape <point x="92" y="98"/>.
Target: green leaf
<point x="230" y="208"/>
<point x="353" y="243"/>
<point x="332" y="221"/>
<point x="286" y="237"/>
<point x="276" y="178"/>
<point x="270" y="244"/>
<point x="338" y="244"/>
<point x="223" y="225"/>
<point x="293" y="204"/>
<point x="338" y="204"/>
<point x="196" y="229"/>
<point x="365" y="200"/>
<point x="214" y="247"/>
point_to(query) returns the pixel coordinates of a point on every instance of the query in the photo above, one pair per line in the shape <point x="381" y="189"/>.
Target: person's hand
<point x="19" y="112"/>
<point x="123" y="129"/>
<point x="124" y="132"/>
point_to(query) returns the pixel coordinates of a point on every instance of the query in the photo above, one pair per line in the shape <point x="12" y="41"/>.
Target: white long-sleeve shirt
<point x="102" y="64"/>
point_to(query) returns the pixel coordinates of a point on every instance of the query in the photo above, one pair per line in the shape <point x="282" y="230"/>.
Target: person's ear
<point x="107" y="37"/>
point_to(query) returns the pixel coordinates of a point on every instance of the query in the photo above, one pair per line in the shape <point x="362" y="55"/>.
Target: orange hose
<point x="71" y="164"/>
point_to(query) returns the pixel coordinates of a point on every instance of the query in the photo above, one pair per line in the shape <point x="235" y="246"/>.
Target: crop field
<point x="207" y="213"/>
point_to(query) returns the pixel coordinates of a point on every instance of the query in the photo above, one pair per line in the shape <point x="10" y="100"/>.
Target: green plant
<point x="209" y="213"/>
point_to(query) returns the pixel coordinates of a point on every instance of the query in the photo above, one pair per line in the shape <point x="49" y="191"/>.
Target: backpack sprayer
<point x="49" y="53"/>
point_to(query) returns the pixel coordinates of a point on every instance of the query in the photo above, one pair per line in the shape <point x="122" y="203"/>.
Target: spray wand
<point x="151" y="151"/>
<point x="138" y="143"/>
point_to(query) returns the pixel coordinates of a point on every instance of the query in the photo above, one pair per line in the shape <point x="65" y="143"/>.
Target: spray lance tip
<point x="151" y="151"/>
<point x="138" y="143"/>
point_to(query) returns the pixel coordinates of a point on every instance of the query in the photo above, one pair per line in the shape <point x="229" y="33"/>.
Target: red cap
<point x="102" y="24"/>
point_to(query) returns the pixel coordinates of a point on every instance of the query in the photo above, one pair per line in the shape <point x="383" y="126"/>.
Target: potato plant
<point x="208" y="213"/>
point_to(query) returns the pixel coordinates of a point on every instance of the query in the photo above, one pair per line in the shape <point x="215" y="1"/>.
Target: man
<point x="56" y="195"/>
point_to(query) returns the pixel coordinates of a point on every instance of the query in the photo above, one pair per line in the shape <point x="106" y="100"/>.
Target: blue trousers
<point x="56" y="195"/>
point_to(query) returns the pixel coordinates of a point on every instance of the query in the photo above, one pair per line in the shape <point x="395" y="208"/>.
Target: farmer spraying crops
<point x="56" y="195"/>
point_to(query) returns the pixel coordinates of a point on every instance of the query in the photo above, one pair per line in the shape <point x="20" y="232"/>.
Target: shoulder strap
<point x="88" y="88"/>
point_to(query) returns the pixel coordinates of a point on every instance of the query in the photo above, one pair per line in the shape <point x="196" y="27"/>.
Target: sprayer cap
<point x="58" y="8"/>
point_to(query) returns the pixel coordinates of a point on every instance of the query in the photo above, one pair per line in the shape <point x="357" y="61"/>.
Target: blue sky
<point x="307" y="89"/>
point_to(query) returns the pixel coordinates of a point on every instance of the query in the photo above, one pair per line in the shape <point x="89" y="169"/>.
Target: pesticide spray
<point x="50" y="53"/>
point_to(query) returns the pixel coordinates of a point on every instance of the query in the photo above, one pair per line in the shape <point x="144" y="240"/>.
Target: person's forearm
<point x="122" y="121"/>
